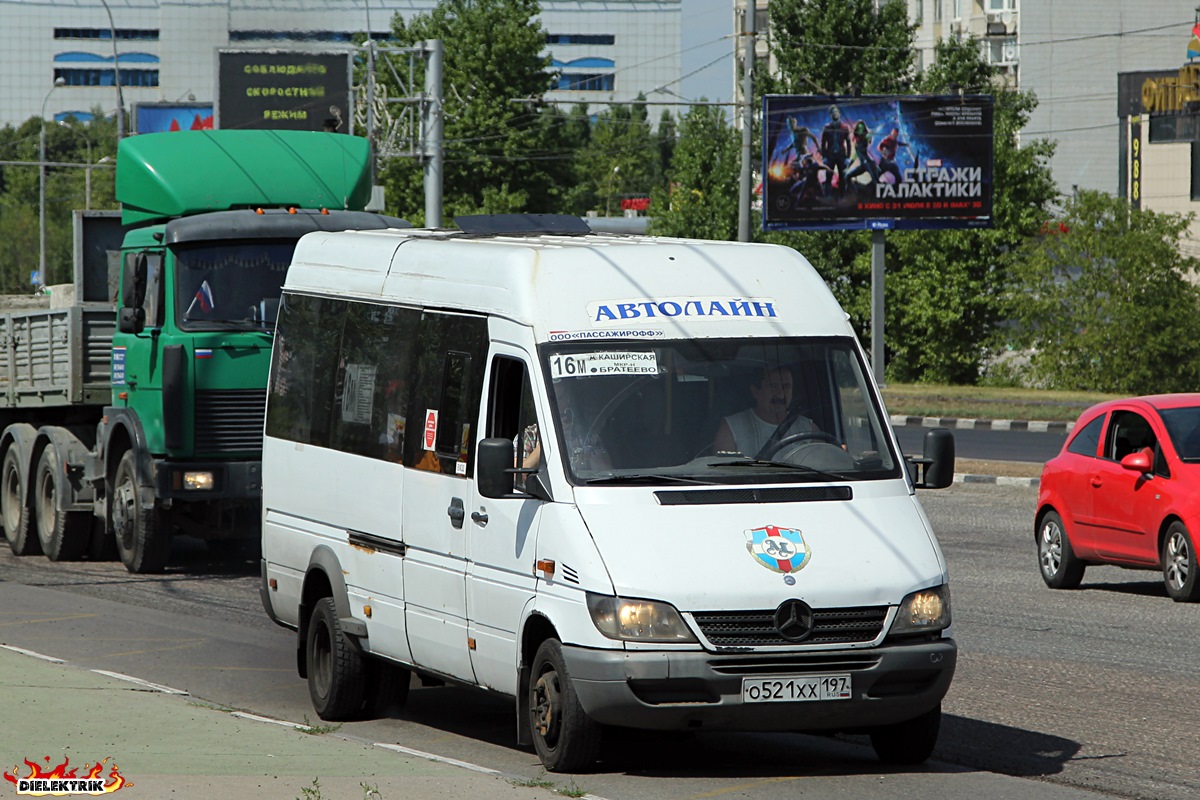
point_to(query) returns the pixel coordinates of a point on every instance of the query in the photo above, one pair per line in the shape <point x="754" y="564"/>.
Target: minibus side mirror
<point x="935" y="470"/>
<point x="495" y="472"/>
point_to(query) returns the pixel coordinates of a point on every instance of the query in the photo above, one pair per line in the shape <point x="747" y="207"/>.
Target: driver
<point x="748" y="432"/>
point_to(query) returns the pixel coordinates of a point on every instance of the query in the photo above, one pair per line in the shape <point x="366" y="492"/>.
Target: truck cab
<point x="173" y="442"/>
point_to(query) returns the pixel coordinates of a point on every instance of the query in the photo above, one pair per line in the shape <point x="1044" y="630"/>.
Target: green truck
<point x="132" y="400"/>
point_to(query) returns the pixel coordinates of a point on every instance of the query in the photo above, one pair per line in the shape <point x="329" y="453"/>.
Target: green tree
<point x="1102" y="301"/>
<point x="504" y="151"/>
<point x="621" y="156"/>
<point x="701" y="196"/>
<point x="71" y="145"/>
<point x="945" y="289"/>
<point x="840" y="47"/>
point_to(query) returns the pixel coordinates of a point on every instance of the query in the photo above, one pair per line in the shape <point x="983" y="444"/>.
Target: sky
<point x="707" y="38"/>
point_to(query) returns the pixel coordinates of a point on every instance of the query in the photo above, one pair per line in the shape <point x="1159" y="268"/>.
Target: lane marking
<point x="409" y="751"/>
<point x="154" y="687"/>
<point x="257" y="718"/>
<point x="441" y="759"/>
<point x="48" y="619"/>
<point x="25" y="652"/>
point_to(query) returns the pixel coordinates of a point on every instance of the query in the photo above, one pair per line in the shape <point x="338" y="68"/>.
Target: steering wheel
<point x="793" y="438"/>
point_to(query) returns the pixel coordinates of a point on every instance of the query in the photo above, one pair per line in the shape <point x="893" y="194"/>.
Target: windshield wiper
<point x="646" y="478"/>
<point x="759" y="462"/>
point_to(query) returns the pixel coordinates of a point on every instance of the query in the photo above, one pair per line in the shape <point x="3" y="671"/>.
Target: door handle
<point x="480" y="518"/>
<point x="456" y="512"/>
<point x="1096" y="481"/>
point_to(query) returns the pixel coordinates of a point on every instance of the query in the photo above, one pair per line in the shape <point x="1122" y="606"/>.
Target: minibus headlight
<point x="637" y="620"/>
<point x="925" y="611"/>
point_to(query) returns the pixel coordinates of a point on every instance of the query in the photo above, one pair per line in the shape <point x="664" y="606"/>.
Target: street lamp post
<point x="608" y="198"/>
<point x="116" y="73"/>
<point x="42" y="186"/>
<point x="87" y="181"/>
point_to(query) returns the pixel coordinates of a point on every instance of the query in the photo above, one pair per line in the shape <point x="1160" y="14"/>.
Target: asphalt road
<point x="1066" y="691"/>
<point x="989" y="445"/>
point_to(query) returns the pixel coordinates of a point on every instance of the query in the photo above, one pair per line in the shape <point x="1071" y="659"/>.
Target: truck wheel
<point x="143" y="540"/>
<point x="64" y="535"/>
<point x="13" y="507"/>
<point x="909" y="742"/>
<point x="102" y="545"/>
<point x="336" y="671"/>
<point x="565" y="738"/>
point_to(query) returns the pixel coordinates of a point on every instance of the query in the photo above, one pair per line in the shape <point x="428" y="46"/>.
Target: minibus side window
<point x="511" y="413"/>
<point x="371" y="390"/>
<point x="300" y="396"/>
<point x="450" y="351"/>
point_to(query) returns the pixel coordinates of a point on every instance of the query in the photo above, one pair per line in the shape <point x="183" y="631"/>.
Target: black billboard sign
<point x="288" y="90"/>
<point x="879" y="162"/>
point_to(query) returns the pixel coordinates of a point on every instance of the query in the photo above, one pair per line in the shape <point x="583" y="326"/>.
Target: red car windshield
<point x="1183" y="426"/>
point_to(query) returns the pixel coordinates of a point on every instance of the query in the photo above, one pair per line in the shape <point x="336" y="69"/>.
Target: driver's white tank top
<point x="751" y="432"/>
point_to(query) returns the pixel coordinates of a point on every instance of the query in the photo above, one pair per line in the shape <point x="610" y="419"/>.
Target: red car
<point x="1125" y="490"/>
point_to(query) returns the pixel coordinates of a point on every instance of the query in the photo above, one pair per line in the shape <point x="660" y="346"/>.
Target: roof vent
<point x="522" y="224"/>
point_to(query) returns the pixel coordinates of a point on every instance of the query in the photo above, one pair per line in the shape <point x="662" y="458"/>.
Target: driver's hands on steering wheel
<point x="793" y="438"/>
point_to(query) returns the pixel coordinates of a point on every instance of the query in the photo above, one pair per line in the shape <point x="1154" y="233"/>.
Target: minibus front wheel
<point x="566" y="739"/>
<point x="909" y="742"/>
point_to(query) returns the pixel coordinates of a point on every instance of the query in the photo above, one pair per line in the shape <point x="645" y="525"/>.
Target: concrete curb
<point x="956" y="423"/>
<point x="998" y="480"/>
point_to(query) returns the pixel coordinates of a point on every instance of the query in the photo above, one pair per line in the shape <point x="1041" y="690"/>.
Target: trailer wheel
<point x="64" y="535"/>
<point x="13" y="508"/>
<point x="143" y="540"/>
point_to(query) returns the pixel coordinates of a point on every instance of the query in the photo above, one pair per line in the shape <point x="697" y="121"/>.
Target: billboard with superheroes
<point x="877" y="162"/>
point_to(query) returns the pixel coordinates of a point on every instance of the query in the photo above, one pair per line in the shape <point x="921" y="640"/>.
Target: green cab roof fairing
<point x="161" y="176"/>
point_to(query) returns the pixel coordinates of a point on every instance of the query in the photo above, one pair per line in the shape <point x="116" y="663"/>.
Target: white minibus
<point x="629" y="482"/>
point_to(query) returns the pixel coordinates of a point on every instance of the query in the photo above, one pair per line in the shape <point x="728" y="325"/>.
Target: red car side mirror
<point x="1139" y="461"/>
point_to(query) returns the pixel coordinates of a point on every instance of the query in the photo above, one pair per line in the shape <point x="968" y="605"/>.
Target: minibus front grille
<point x="757" y="628"/>
<point x="230" y="420"/>
<point x="786" y="494"/>
<point x="795" y="665"/>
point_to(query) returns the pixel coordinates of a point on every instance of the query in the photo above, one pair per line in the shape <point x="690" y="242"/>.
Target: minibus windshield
<point x="716" y="411"/>
<point x="230" y="286"/>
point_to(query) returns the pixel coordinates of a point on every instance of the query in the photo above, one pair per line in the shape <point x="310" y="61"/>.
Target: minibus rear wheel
<point x="336" y="672"/>
<point x="386" y="690"/>
<point x="566" y="739"/>
<point x="908" y="742"/>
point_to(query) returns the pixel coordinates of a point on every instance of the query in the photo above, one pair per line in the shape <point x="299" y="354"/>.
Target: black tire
<point x="336" y="672"/>
<point x="63" y="535"/>
<point x="386" y="688"/>
<point x="14" y="506"/>
<point x="909" y="742"/>
<point x="102" y="544"/>
<point x="1179" y="565"/>
<point x="143" y="538"/>
<point x="1056" y="558"/>
<point x="566" y="739"/>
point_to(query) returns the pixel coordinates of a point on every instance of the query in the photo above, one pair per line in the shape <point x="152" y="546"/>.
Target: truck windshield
<point x="230" y="286"/>
<point x="717" y="411"/>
